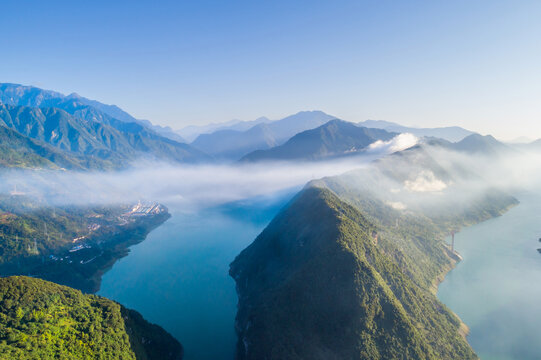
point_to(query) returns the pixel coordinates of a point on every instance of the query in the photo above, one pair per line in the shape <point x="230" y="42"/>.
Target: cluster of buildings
<point x="79" y="247"/>
<point x="145" y="209"/>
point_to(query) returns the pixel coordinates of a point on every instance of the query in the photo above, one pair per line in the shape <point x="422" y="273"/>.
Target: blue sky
<point x="427" y="63"/>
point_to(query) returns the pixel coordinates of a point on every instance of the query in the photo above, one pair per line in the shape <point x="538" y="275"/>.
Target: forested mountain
<point x="19" y="95"/>
<point x="233" y="144"/>
<point x="348" y="269"/>
<point x="335" y="138"/>
<point x="43" y="320"/>
<point x="20" y="151"/>
<point x="98" y="136"/>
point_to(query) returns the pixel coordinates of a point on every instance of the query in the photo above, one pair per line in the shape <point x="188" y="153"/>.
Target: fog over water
<point x="191" y="187"/>
<point x="178" y="277"/>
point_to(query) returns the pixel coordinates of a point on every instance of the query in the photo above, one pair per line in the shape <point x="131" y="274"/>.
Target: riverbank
<point x="456" y="258"/>
<point x="82" y="265"/>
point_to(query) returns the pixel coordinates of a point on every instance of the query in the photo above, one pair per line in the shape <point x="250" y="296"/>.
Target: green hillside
<point x="314" y="285"/>
<point x="348" y="270"/>
<point x="98" y="139"/>
<point x="19" y="151"/>
<point x="39" y="240"/>
<point x="85" y="109"/>
<point x="43" y="320"/>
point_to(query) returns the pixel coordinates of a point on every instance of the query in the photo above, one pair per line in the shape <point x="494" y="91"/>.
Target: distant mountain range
<point x="52" y="130"/>
<point x="20" y="95"/>
<point x="190" y="133"/>
<point x="452" y="133"/>
<point x="482" y="144"/>
<point x="20" y="151"/>
<point x="233" y="144"/>
<point x="236" y="139"/>
<point x="84" y="135"/>
<point x="474" y="144"/>
<point x="334" y="138"/>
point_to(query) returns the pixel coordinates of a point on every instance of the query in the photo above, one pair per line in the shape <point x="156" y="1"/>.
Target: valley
<point x="240" y="180"/>
<point x="365" y="236"/>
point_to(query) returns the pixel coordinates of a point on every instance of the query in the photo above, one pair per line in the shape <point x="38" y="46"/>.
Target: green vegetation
<point x="314" y="285"/>
<point x="343" y="272"/>
<point x="42" y="320"/>
<point x="20" y="151"/>
<point x="35" y="239"/>
<point x="82" y="139"/>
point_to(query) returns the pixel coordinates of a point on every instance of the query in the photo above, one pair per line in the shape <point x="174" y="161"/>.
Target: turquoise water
<point x="496" y="289"/>
<point x="178" y="277"/>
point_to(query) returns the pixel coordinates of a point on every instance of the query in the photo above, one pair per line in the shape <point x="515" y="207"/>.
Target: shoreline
<point x="83" y="269"/>
<point x="456" y="258"/>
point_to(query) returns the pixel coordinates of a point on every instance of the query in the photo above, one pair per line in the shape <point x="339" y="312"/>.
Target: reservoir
<point x="178" y="277"/>
<point x="496" y="289"/>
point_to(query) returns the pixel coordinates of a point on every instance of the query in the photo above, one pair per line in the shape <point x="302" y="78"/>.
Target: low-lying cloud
<point x="426" y="181"/>
<point x="182" y="186"/>
<point x="398" y="143"/>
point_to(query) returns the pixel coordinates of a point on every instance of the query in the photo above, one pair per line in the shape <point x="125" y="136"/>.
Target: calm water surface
<point x="178" y="277"/>
<point x="496" y="289"/>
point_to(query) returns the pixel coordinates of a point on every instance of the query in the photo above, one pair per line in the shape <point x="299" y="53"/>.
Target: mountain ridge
<point x="349" y="268"/>
<point x="332" y="139"/>
<point x="22" y="95"/>
<point x="231" y="144"/>
<point x="46" y="320"/>
<point x="450" y="133"/>
<point x="104" y="137"/>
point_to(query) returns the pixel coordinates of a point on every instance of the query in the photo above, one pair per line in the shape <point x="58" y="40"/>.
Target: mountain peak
<point x="334" y="138"/>
<point x="74" y="95"/>
<point x="477" y="143"/>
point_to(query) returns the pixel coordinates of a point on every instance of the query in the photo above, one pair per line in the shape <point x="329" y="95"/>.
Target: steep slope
<point x="20" y="151"/>
<point x="349" y="268"/>
<point x="314" y="285"/>
<point x="44" y="320"/>
<point x="335" y="138"/>
<point x="19" y="95"/>
<point x="234" y="144"/>
<point x="94" y="136"/>
<point x="451" y="133"/>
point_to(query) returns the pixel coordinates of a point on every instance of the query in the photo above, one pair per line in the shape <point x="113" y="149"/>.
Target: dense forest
<point x="43" y="320"/>
<point x="349" y="269"/>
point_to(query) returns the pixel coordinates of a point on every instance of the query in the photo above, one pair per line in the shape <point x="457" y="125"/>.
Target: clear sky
<point x="471" y="63"/>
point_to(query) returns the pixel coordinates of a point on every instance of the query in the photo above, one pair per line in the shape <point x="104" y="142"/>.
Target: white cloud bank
<point x="398" y="143"/>
<point x="426" y="181"/>
<point x="184" y="186"/>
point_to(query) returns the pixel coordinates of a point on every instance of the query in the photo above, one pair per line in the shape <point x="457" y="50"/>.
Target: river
<point x="178" y="277"/>
<point x="496" y="289"/>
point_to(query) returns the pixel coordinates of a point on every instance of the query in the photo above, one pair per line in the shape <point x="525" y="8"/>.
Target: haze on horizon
<point x="418" y="63"/>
